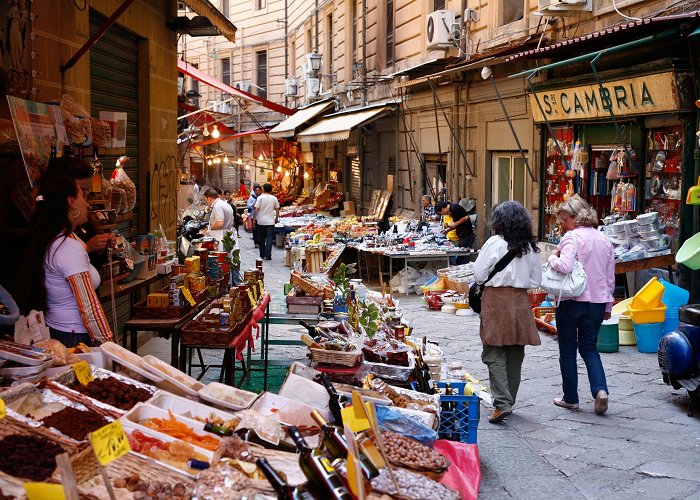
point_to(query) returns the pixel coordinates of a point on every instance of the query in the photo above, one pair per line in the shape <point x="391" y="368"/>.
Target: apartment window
<point x="354" y="28"/>
<point x="261" y="73"/>
<point x="308" y="41"/>
<point x="195" y="88"/>
<point x="226" y="70"/>
<point x="389" y="32"/>
<point x="511" y="11"/>
<point x="224" y="8"/>
<point x="260" y="4"/>
<point x="329" y="41"/>
<point x="439" y="5"/>
<point x="509" y="178"/>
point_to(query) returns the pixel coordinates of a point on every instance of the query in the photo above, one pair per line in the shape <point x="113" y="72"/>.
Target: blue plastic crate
<point x="459" y="423"/>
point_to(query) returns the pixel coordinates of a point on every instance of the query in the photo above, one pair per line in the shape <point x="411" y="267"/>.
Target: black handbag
<point x="477" y="290"/>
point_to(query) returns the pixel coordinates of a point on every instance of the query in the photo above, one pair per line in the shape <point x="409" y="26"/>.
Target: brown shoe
<point x="563" y="404"/>
<point x="498" y="415"/>
<point x="601" y="402"/>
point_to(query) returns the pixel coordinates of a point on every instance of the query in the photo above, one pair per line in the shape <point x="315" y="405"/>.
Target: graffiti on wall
<point x="164" y="182"/>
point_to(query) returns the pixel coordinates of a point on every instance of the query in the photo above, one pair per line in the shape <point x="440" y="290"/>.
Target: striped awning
<point x="288" y="128"/>
<point x="206" y="8"/>
<point x="337" y="127"/>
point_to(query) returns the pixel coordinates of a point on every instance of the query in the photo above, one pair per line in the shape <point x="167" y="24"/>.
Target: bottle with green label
<point x="318" y="469"/>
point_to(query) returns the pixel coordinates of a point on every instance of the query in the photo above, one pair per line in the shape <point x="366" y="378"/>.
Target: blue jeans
<point x="265" y="235"/>
<point x="70" y="339"/>
<point x="577" y="327"/>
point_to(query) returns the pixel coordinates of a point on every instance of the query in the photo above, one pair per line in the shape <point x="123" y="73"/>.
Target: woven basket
<point x="305" y="285"/>
<point x="342" y="358"/>
<point x="89" y="479"/>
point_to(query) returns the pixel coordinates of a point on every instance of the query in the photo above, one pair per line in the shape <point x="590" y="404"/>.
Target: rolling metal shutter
<point x="114" y="87"/>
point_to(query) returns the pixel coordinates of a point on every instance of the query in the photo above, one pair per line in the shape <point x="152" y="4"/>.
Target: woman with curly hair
<point x="579" y="319"/>
<point x="507" y="324"/>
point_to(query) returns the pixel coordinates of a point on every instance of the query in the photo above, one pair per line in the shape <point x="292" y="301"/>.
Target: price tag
<point x="109" y="442"/>
<point x="356" y="422"/>
<point x="83" y="373"/>
<point x="262" y="288"/>
<point x="188" y="296"/>
<point x="355" y="479"/>
<point x="44" y="491"/>
<point x="250" y="296"/>
<point x="2" y="409"/>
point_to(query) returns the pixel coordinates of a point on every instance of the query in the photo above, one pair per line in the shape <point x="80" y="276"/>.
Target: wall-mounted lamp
<point x="315" y="60"/>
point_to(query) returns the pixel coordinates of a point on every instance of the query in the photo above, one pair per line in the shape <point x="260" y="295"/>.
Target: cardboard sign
<point x="44" y="491"/>
<point x="2" y="409"/>
<point x="83" y="373"/>
<point x="109" y="442"/>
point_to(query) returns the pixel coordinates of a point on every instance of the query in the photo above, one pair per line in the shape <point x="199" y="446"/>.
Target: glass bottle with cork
<point x="279" y="484"/>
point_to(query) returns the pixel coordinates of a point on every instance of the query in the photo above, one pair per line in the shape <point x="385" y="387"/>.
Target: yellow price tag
<point x="188" y="296"/>
<point x="83" y="373"/>
<point x="355" y="478"/>
<point x="44" y="491"/>
<point x="355" y="422"/>
<point x="2" y="409"/>
<point x="262" y="288"/>
<point x="250" y="296"/>
<point x="109" y="442"/>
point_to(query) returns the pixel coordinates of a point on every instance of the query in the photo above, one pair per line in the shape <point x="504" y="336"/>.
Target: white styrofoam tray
<point x="212" y="393"/>
<point x="181" y="381"/>
<point x="186" y="407"/>
<point x="132" y="362"/>
<point x="286" y="411"/>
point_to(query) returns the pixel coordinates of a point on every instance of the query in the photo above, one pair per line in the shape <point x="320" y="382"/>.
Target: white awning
<point x="337" y="127"/>
<point x="287" y="128"/>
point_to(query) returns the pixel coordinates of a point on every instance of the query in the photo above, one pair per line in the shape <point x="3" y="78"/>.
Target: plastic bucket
<point x="672" y="320"/>
<point x="649" y="296"/>
<point x="608" y="338"/>
<point x="689" y="253"/>
<point x="627" y="337"/>
<point x="674" y="296"/>
<point x="648" y="336"/>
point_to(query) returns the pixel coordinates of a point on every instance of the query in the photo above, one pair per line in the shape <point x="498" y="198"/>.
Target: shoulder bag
<point x="477" y="290"/>
<point x="562" y="285"/>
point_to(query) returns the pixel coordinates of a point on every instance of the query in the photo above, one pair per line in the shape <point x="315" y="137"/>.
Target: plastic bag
<point x="466" y="478"/>
<point x="121" y="180"/>
<point x="404" y="279"/>
<point x="391" y="420"/>
<point x="76" y="121"/>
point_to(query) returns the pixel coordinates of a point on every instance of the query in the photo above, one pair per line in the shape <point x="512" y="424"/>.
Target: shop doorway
<point x="436" y="173"/>
<point x="508" y="178"/>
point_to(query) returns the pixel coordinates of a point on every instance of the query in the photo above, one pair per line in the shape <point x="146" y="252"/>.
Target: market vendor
<point x="257" y="191"/>
<point x="428" y="208"/>
<point x="461" y="223"/>
<point x="58" y="276"/>
<point x="221" y="218"/>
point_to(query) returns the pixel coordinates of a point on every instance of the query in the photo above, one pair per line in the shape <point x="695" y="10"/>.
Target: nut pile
<point x="408" y="453"/>
<point x="412" y="485"/>
<point x="75" y="423"/>
<point x="152" y="489"/>
<point x="113" y="392"/>
<point x="28" y="457"/>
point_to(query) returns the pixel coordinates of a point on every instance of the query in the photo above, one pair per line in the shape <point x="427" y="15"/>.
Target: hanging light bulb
<point x="215" y="133"/>
<point x="261" y="157"/>
<point x="218" y="160"/>
<point x="240" y="161"/>
<point x="247" y="167"/>
<point x="286" y="173"/>
<point x="210" y="163"/>
<point x="279" y="168"/>
<point x="205" y="132"/>
<point x="306" y="175"/>
<point x="225" y="158"/>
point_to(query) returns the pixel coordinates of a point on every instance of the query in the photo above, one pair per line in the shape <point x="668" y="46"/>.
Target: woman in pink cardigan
<point x="579" y="319"/>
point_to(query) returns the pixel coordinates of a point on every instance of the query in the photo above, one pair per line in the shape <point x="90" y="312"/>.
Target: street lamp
<point x="315" y="59"/>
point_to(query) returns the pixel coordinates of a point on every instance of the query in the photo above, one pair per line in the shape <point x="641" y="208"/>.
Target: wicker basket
<point x="89" y="479"/>
<point x="459" y="285"/>
<point x="306" y="285"/>
<point x="342" y="358"/>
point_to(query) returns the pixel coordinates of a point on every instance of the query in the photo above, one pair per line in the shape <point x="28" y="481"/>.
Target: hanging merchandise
<point x="629" y="198"/>
<point x="122" y="181"/>
<point x="612" y="173"/>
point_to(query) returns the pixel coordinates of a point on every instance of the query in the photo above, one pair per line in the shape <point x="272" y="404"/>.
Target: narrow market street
<point x="645" y="447"/>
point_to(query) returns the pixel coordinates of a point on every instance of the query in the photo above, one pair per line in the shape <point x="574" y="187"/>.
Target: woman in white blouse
<point x="507" y="324"/>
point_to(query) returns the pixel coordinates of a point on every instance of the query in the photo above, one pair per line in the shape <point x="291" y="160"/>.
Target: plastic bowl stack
<point x="648" y="314"/>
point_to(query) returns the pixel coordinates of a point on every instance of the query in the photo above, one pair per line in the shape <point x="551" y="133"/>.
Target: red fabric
<point x="464" y="475"/>
<point x="242" y="341"/>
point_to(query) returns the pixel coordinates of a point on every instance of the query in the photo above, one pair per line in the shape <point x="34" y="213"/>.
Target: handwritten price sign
<point x="110" y="442"/>
<point x="83" y="373"/>
<point x="44" y="491"/>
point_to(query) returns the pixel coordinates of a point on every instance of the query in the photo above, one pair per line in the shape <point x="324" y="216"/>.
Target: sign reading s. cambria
<point x="633" y="96"/>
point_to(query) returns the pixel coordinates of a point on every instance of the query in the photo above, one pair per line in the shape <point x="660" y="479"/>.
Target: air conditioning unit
<point x="291" y="87"/>
<point x="313" y="88"/>
<point x="554" y="6"/>
<point x="438" y="29"/>
<point x="243" y="85"/>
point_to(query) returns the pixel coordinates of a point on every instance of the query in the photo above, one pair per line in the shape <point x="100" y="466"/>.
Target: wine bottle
<point x="284" y="491"/>
<point x="318" y="469"/>
<point x="337" y="447"/>
<point x="334" y="399"/>
<point x="219" y="430"/>
<point x="422" y="374"/>
<point x="251" y="436"/>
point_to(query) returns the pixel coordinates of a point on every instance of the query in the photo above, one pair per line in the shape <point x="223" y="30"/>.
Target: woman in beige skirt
<point x="507" y="324"/>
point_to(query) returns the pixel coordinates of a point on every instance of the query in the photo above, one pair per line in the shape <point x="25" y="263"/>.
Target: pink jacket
<point x="595" y="252"/>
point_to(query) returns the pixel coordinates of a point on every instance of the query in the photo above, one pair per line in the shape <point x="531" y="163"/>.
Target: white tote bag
<point x="562" y="285"/>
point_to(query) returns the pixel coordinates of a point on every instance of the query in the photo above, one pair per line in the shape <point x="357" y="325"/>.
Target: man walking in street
<point x="461" y="223"/>
<point x="267" y="212"/>
<point x="257" y="191"/>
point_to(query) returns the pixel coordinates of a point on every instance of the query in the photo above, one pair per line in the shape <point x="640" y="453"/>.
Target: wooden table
<point x="651" y="262"/>
<point x="170" y="326"/>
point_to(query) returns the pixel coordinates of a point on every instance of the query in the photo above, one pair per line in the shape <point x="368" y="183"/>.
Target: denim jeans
<point x="577" y="328"/>
<point x="265" y="235"/>
<point x="70" y="339"/>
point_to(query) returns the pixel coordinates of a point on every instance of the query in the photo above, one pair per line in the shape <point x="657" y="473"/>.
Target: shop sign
<point x="633" y="96"/>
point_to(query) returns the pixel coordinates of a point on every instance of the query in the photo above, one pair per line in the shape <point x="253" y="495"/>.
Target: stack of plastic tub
<point x="674" y="297"/>
<point x="648" y="314"/>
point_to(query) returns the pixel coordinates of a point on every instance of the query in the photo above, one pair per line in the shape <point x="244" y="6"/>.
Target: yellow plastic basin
<point x="650" y="315"/>
<point x="649" y="296"/>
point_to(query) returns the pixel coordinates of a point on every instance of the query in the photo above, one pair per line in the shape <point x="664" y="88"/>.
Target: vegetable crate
<point x="459" y="416"/>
